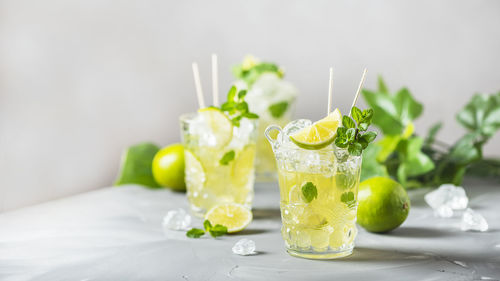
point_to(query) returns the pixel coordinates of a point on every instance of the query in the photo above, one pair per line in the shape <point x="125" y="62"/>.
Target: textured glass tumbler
<point x="318" y="199"/>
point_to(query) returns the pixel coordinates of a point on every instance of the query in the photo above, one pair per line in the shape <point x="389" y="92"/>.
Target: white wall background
<point x="82" y="80"/>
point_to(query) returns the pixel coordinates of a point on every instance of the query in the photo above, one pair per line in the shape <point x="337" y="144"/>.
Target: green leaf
<point x="231" y="94"/>
<point x="431" y="135"/>
<point x="408" y="108"/>
<point x="195" y="233"/>
<point x="242" y="107"/>
<point x="228" y="157"/>
<point x="207" y="225"/>
<point x="466" y="150"/>
<point x="370" y="167"/>
<point x="347" y="122"/>
<point x="388" y="145"/>
<point x="363" y="127"/>
<point x="357" y="114"/>
<point x="369" y="136"/>
<point x="348" y="198"/>
<point x="236" y="121"/>
<point x="242" y="94"/>
<point x="250" y="115"/>
<point x="228" y="106"/>
<point x="218" y="230"/>
<point x="355" y="149"/>
<point x="278" y="109"/>
<point x="136" y="165"/>
<point x="385" y="115"/>
<point x="250" y="75"/>
<point x="382" y="88"/>
<point x="481" y="114"/>
<point x="414" y="161"/>
<point x="309" y="191"/>
<point x="350" y="134"/>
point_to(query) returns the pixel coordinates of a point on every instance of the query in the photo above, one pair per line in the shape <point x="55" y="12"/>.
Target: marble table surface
<point x="115" y="234"/>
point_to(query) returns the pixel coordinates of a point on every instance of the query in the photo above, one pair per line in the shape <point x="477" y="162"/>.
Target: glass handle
<point x="269" y="130"/>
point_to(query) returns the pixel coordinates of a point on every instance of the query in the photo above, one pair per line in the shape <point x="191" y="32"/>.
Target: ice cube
<point x="443" y="211"/>
<point x="244" y="247"/>
<point x="472" y="220"/>
<point x="449" y="195"/>
<point x="199" y="128"/>
<point x="291" y="128"/>
<point x="241" y="134"/>
<point x="177" y="219"/>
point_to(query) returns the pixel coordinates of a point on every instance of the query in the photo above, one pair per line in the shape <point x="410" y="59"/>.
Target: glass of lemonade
<point x="318" y="190"/>
<point x="219" y="159"/>
<point x="273" y="99"/>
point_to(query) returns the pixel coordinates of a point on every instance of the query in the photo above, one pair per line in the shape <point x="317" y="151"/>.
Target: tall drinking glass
<point x="219" y="164"/>
<point x="318" y="190"/>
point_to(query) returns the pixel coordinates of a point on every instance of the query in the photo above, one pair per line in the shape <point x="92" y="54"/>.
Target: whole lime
<point x="168" y="167"/>
<point x="383" y="204"/>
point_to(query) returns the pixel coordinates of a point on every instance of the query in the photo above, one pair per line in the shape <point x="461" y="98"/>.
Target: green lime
<point x="136" y="165"/>
<point x="320" y="134"/>
<point x="383" y="204"/>
<point x="168" y="167"/>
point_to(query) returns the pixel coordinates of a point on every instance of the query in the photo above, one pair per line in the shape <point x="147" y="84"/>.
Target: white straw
<point x="215" y="81"/>
<point x="359" y="90"/>
<point x="197" y="83"/>
<point x="330" y="88"/>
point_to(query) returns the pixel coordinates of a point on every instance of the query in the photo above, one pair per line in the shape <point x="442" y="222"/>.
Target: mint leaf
<point x="228" y="157"/>
<point x="309" y="192"/>
<point x="348" y="198"/>
<point x="355" y="149"/>
<point x="351" y="134"/>
<point x="136" y="165"/>
<point x="242" y="107"/>
<point x="357" y="114"/>
<point x="369" y="136"/>
<point x="207" y="225"/>
<point x="370" y="167"/>
<point x="347" y="122"/>
<point x="218" y="230"/>
<point x="231" y="94"/>
<point x="278" y="109"/>
<point x="242" y="94"/>
<point x="195" y="233"/>
<point x="250" y="115"/>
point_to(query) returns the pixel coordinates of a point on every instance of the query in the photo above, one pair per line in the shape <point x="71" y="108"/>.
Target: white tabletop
<point x="115" y="234"/>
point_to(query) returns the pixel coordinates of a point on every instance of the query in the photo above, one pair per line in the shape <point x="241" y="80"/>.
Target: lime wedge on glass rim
<point x="320" y="134"/>
<point x="219" y="124"/>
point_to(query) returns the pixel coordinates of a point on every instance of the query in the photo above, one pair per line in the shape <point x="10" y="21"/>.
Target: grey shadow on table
<point x="266" y="213"/>
<point x="251" y="232"/>
<point x="419" y="232"/>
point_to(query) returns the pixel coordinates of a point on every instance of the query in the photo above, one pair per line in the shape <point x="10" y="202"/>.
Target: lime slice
<point x="195" y="174"/>
<point x="136" y="166"/>
<point x="231" y="215"/>
<point x="219" y="124"/>
<point x="320" y="133"/>
<point x="243" y="166"/>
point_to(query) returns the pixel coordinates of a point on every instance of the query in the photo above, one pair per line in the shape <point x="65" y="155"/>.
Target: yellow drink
<point x="318" y="191"/>
<point x="218" y="173"/>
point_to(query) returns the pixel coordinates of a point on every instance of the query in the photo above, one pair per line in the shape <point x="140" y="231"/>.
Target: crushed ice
<point x="244" y="247"/>
<point x="472" y="220"/>
<point x="446" y="199"/>
<point x="177" y="219"/>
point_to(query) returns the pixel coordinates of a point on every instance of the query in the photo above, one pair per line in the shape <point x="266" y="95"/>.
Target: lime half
<point x="219" y="124"/>
<point x="320" y="133"/>
<point x="231" y="215"/>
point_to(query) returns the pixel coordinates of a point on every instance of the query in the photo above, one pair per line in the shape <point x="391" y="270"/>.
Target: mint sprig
<point x="237" y="107"/>
<point x="214" y="231"/>
<point x="251" y="74"/>
<point x="353" y="134"/>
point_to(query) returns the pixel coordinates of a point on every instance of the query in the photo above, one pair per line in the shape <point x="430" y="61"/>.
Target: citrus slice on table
<point x="320" y="133"/>
<point x="194" y="172"/>
<point x="243" y="166"/>
<point x="219" y="124"/>
<point x="231" y="215"/>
